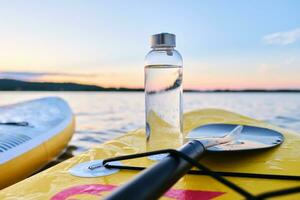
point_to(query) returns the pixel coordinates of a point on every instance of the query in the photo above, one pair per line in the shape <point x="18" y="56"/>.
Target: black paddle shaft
<point x="156" y="180"/>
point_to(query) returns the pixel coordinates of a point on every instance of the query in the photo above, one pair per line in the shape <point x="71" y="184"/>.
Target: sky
<point x="227" y="44"/>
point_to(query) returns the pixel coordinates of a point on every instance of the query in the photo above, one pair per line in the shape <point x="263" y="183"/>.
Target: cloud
<point x="36" y="76"/>
<point x="105" y="79"/>
<point x="265" y="68"/>
<point x="283" y="38"/>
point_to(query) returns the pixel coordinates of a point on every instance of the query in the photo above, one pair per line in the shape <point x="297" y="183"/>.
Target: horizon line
<point x="142" y="89"/>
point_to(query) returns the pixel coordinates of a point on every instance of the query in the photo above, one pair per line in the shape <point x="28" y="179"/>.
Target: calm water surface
<point x="102" y="116"/>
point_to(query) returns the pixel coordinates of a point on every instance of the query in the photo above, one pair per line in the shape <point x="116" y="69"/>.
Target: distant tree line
<point x="17" y="85"/>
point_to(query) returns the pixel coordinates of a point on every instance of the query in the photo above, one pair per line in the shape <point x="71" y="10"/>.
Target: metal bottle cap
<point x="163" y="40"/>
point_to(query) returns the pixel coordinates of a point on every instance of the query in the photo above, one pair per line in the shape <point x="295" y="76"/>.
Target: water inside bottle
<point x="163" y="88"/>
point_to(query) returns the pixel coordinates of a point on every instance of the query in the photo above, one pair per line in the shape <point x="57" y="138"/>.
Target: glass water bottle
<point x="163" y="93"/>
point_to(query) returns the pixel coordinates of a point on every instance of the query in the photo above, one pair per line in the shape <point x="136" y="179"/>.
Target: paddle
<point x="156" y="180"/>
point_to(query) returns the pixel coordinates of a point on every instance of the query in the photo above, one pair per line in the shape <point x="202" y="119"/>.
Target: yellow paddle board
<point x="32" y="133"/>
<point x="57" y="183"/>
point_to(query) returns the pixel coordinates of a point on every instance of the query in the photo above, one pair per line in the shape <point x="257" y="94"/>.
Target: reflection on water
<point x="101" y="116"/>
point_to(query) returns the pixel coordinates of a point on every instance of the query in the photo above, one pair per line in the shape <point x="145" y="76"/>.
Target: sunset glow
<point x="224" y="46"/>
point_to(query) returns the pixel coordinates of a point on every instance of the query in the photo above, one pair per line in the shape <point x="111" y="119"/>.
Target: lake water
<point x="101" y="116"/>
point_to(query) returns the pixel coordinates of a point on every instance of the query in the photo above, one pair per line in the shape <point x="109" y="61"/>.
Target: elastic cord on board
<point x="191" y="161"/>
<point x="15" y="123"/>
<point x="216" y="175"/>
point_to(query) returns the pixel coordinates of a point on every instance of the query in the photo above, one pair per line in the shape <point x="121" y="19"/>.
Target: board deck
<point x="45" y="127"/>
<point x="56" y="183"/>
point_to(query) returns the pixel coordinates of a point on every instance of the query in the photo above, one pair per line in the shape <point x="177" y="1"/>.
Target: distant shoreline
<point x="17" y="85"/>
